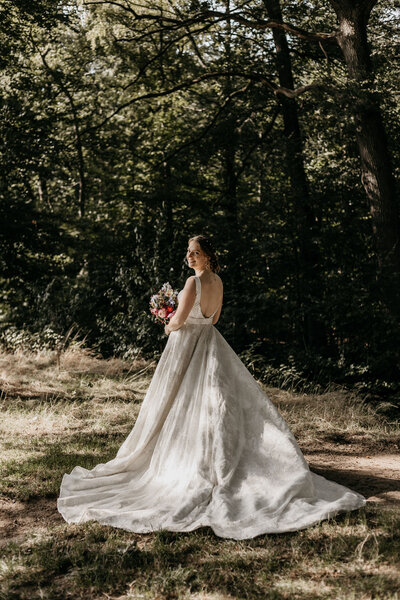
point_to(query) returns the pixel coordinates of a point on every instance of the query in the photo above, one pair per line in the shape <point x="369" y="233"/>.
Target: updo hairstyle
<point x="208" y="248"/>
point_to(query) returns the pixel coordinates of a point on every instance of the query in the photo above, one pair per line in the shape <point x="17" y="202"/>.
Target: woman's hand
<point x="167" y="330"/>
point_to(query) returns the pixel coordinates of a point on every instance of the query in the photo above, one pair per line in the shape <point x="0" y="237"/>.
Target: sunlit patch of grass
<point x="39" y="444"/>
<point x="338" y="416"/>
<point x="79" y="374"/>
<point x="52" y="418"/>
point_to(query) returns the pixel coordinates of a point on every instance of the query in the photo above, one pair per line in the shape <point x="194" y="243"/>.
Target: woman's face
<point x="196" y="257"/>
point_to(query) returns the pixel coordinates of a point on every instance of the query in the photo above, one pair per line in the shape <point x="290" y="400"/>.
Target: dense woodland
<point x="270" y="125"/>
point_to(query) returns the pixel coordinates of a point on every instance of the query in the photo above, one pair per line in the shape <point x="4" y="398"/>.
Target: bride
<point x="209" y="448"/>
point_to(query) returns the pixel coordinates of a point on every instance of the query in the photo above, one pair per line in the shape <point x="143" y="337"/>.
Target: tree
<point x="376" y="165"/>
<point x="376" y="168"/>
<point x="193" y="122"/>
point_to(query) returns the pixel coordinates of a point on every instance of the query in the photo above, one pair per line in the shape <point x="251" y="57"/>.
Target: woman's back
<point x="211" y="293"/>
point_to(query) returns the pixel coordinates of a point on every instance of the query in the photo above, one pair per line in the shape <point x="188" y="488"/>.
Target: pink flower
<point x="163" y="304"/>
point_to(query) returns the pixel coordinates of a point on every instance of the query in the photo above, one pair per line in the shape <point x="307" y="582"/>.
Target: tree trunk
<point x="293" y="138"/>
<point x="238" y="335"/>
<point x="376" y="166"/>
<point x="312" y="330"/>
<point x="234" y="246"/>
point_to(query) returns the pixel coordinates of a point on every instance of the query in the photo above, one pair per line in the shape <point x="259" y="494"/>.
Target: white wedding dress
<point x="208" y="448"/>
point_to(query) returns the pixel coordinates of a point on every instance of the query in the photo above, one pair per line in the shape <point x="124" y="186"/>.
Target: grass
<point x="52" y="419"/>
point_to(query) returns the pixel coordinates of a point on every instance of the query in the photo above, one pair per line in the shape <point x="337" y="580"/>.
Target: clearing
<point x="54" y="417"/>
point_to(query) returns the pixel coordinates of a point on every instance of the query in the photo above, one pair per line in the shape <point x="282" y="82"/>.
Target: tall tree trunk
<point x="376" y="166"/>
<point x="235" y="247"/>
<point x="313" y="331"/>
<point x="230" y="199"/>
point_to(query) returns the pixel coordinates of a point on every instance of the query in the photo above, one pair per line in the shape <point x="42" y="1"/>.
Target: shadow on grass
<point x="87" y="560"/>
<point x="40" y="475"/>
<point x="364" y="483"/>
<point x="25" y="398"/>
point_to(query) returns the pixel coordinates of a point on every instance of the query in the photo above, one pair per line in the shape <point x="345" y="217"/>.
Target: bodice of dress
<point x="195" y="316"/>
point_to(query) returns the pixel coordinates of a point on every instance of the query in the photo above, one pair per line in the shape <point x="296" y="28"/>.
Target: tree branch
<point x="214" y="119"/>
<point x="215" y="75"/>
<point x="218" y="16"/>
<point x="271" y="24"/>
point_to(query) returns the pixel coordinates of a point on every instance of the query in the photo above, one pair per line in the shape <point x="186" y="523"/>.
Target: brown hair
<point x="208" y="248"/>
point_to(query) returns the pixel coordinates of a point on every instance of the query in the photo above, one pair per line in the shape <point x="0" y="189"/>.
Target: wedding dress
<point x="209" y="448"/>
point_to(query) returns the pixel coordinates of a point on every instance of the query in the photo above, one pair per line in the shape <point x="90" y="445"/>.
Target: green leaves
<point x="166" y="117"/>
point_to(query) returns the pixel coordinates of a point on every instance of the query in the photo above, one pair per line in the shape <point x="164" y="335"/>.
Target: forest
<point x="270" y="125"/>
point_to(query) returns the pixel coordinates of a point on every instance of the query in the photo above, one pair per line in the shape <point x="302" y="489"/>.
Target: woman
<point x="208" y="448"/>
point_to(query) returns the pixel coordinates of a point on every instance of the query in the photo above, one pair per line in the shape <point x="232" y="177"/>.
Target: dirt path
<point x="377" y="477"/>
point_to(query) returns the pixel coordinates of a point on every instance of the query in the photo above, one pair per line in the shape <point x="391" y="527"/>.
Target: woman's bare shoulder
<point x="219" y="279"/>
<point x="219" y="283"/>
<point x="190" y="281"/>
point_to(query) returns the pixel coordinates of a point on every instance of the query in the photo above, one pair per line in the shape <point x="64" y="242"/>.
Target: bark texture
<point x="376" y="165"/>
<point x="313" y="331"/>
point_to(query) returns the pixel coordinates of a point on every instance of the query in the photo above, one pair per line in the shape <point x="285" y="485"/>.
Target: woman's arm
<point x="185" y="305"/>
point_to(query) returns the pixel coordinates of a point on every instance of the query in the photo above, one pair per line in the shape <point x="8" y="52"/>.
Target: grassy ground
<point x="53" y="418"/>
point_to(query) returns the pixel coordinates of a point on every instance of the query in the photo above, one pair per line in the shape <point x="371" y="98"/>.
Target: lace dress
<point x="209" y="448"/>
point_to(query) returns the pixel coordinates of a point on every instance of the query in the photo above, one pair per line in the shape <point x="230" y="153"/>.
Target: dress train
<point x="209" y="448"/>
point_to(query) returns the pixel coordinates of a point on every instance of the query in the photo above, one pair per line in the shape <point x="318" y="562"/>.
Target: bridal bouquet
<point x="163" y="305"/>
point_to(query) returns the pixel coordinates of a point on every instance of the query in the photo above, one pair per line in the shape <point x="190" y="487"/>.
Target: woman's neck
<point x="199" y="272"/>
